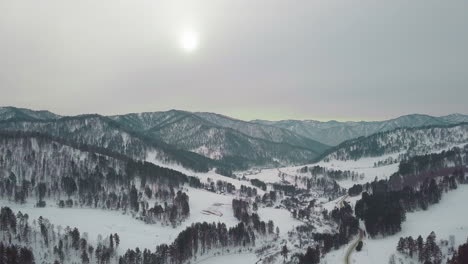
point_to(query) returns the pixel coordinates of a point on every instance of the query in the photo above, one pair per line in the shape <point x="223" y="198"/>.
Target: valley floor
<point x="246" y="258"/>
<point x="133" y="233"/>
<point x="204" y="206"/>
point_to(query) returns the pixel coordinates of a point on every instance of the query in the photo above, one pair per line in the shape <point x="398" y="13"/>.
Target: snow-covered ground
<point x="449" y="217"/>
<point x="203" y="176"/>
<point x="243" y="258"/>
<point x="364" y="166"/>
<point x="204" y="207"/>
<point x="133" y="233"/>
<point x="281" y="217"/>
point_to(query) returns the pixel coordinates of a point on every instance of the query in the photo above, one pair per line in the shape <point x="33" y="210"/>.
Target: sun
<point x="189" y="40"/>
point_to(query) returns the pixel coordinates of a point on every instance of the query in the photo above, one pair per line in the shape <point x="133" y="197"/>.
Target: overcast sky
<point x="346" y="60"/>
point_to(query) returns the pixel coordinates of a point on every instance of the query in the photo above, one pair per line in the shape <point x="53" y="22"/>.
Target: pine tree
<point x="111" y="241"/>
<point x="284" y="252"/>
<point x="117" y="240"/>
<point x="84" y="257"/>
<point x="401" y="245"/>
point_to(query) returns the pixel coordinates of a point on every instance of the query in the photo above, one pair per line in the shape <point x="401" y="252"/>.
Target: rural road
<point x="352" y="247"/>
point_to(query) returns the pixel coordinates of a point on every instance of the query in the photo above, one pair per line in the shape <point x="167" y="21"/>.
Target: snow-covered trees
<point x="42" y="242"/>
<point x="197" y="240"/>
<point x="382" y="213"/>
<point x="461" y="256"/>
<point x="384" y="203"/>
<point x="312" y="256"/>
<point x="426" y="252"/>
<point x="89" y="177"/>
<point x="13" y="254"/>
<point x="284" y="252"/>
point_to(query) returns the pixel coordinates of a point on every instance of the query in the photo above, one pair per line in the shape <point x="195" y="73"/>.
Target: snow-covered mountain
<point x="201" y="141"/>
<point x="222" y="138"/>
<point x="334" y="132"/>
<point x="102" y="132"/>
<point x="68" y="167"/>
<point x="9" y="113"/>
<point x="403" y="141"/>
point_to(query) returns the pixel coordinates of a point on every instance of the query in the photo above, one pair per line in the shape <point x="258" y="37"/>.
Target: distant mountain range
<point x="10" y="113"/>
<point x="407" y="142"/>
<point x="198" y="141"/>
<point x="333" y="132"/>
<point x="202" y="141"/>
<point x="222" y="138"/>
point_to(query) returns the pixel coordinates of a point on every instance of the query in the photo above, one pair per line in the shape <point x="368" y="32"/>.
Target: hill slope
<point x="10" y="113"/>
<point x="102" y="132"/>
<point x="222" y="138"/>
<point x="404" y="141"/>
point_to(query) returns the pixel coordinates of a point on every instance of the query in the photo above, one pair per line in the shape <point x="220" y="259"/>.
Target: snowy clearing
<point x="244" y="258"/>
<point x="133" y="233"/>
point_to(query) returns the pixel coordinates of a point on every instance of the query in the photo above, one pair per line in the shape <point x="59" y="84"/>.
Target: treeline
<point x="201" y="238"/>
<point x="389" y="161"/>
<point x="13" y="254"/>
<point x="219" y="186"/>
<point x="258" y="183"/>
<point x="243" y="213"/>
<point x="41" y="242"/>
<point x="461" y="256"/>
<point x="383" y="210"/>
<point x="412" y="141"/>
<point x="337" y="175"/>
<point x="425" y="251"/>
<point x="197" y="240"/>
<point x="419" y="182"/>
<point x="414" y="170"/>
<point x="173" y="213"/>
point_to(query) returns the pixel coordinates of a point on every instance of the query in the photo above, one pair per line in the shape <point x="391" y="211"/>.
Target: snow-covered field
<point x="281" y="217"/>
<point x="364" y="166"/>
<point x="449" y="217"/>
<point x="133" y="233"/>
<point x="203" y="176"/>
<point x="244" y="258"/>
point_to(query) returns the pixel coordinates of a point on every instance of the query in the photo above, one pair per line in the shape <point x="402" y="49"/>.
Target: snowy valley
<point x="131" y="189"/>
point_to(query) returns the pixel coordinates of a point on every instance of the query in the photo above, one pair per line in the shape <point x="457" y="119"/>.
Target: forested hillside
<point x="404" y="141"/>
<point x="102" y="132"/>
<point x="38" y="167"/>
<point x="239" y="143"/>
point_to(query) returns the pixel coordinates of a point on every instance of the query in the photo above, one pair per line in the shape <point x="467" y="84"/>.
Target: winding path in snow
<point x="353" y="246"/>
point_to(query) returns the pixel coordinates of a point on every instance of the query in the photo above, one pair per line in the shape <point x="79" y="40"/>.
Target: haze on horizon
<point x="354" y="60"/>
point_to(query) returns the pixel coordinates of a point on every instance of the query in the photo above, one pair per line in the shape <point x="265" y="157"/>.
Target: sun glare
<point x="189" y="40"/>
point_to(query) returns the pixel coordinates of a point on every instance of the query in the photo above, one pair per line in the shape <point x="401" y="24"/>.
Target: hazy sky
<point x="255" y="59"/>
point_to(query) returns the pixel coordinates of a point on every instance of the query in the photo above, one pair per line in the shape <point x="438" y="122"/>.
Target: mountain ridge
<point x="204" y="140"/>
<point x="335" y="132"/>
<point x="410" y="140"/>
